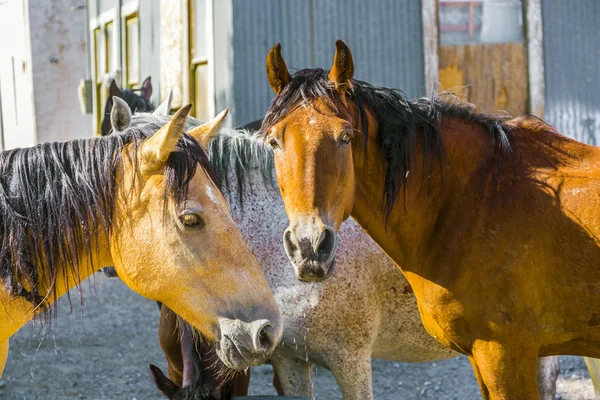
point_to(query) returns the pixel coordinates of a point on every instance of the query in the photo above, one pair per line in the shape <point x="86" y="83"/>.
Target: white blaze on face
<point x="212" y="195"/>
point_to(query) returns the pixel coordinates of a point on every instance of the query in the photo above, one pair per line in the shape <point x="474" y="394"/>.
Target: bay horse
<point x="493" y="221"/>
<point x="366" y="309"/>
<point x="144" y="201"/>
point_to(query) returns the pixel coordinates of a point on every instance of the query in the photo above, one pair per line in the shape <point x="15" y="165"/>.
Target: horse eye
<point x="346" y="138"/>
<point x="191" y="221"/>
<point x="273" y="143"/>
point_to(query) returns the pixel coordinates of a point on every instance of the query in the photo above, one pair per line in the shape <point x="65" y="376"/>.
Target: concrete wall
<point x="58" y="48"/>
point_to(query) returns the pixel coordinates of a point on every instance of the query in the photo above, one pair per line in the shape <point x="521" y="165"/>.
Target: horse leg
<point x="485" y="395"/>
<point x="3" y="355"/>
<point x="353" y="375"/>
<point x="277" y="384"/>
<point x="593" y="366"/>
<point x="507" y="372"/>
<point x="295" y="375"/>
<point x="547" y="373"/>
<point x="168" y="338"/>
<point x="242" y="383"/>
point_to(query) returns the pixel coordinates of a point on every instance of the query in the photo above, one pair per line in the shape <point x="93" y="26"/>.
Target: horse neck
<point x="17" y="311"/>
<point x="406" y="233"/>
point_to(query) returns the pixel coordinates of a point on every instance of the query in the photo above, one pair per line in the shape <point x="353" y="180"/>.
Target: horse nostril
<point x="326" y="244"/>
<point x="290" y="244"/>
<point x="262" y="337"/>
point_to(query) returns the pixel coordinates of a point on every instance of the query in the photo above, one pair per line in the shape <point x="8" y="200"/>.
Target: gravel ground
<point x="102" y="351"/>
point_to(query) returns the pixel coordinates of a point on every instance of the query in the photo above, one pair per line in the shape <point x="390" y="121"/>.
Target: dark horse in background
<point x="136" y="102"/>
<point x="141" y="103"/>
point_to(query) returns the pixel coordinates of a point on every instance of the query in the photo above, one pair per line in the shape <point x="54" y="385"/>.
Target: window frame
<point x="130" y="19"/>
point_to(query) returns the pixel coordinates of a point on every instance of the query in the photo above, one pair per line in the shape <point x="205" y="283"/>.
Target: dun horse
<point x="493" y="221"/>
<point x="366" y="309"/>
<point x="143" y="201"/>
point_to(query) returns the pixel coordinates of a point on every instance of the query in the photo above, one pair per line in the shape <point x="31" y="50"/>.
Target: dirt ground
<point x="102" y="351"/>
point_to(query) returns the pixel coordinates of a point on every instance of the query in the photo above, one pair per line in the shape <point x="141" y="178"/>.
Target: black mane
<point x="57" y="198"/>
<point x="399" y="120"/>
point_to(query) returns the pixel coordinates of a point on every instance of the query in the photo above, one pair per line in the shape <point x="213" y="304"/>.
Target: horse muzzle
<point x="246" y="344"/>
<point x="311" y="248"/>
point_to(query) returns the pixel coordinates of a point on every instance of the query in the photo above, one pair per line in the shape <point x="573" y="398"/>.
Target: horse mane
<point x="57" y="198"/>
<point x="234" y="153"/>
<point x="399" y="120"/>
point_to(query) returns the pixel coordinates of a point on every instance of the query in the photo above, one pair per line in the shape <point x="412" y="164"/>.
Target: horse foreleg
<point x="507" y="372"/>
<point x="295" y="376"/>
<point x="547" y="373"/>
<point x="3" y="356"/>
<point x="593" y="366"/>
<point x="485" y="395"/>
<point x="168" y="338"/>
<point x="353" y="375"/>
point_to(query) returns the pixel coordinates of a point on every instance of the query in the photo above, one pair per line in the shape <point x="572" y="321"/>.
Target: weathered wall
<point x="149" y="15"/>
<point x="171" y="50"/>
<point x="58" y="49"/>
<point x="492" y="76"/>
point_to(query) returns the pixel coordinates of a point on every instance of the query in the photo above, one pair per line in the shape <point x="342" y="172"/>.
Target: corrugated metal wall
<point x="572" y="65"/>
<point x="385" y="37"/>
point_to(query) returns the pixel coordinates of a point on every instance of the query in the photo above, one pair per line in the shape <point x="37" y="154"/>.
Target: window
<point x="99" y="66"/>
<point x="109" y="48"/>
<point x="132" y="50"/>
<point x="484" y="21"/>
<point x="199" y="36"/>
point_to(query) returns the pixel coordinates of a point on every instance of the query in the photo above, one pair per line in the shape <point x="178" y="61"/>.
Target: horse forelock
<point x="57" y="198"/>
<point x="234" y="154"/>
<point x="399" y="120"/>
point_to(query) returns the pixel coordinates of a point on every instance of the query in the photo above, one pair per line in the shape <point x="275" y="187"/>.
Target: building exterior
<point x="500" y="54"/>
<point x="42" y="58"/>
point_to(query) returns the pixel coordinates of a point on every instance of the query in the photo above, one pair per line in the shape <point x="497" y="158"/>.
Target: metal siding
<point x="385" y="36"/>
<point x="572" y="62"/>
<point x="149" y="17"/>
<point x="257" y="26"/>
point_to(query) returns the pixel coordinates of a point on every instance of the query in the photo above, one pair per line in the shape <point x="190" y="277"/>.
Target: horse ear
<point x="120" y="115"/>
<point x="342" y="71"/>
<point x="114" y="90"/>
<point x="206" y="132"/>
<point x="165" y="106"/>
<point x="147" y="88"/>
<point x="277" y="71"/>
<point x="156" y="150"/>
<point x="163" y="383"/>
